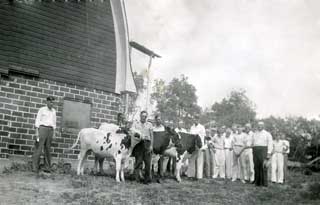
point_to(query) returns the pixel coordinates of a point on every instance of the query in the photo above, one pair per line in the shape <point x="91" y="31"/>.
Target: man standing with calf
<point x="143" y="150"/>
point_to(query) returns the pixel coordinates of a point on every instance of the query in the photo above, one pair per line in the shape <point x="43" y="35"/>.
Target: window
<point x="75" y="115"/>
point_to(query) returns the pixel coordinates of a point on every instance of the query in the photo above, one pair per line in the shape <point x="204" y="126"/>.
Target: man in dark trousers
<point x="45" y="126"/>
<point x="262" y="148"/>
<point x="143" y="150"/>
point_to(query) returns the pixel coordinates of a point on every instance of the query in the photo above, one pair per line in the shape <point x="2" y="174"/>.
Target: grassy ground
<point x="20" y="186"/>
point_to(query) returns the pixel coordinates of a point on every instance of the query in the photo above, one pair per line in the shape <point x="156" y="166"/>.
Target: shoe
<point x="233" y="180"/>
<point x="243" y="181"/>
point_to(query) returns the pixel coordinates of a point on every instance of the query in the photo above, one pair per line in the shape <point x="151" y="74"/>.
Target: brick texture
<point x="19" y="109"/>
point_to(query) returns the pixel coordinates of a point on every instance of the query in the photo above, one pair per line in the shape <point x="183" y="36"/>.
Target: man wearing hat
<point x="262" y="148"/>
<point x="45" y="126"/>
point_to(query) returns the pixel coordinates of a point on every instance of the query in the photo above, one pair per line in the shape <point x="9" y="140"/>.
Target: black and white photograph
<point x="159" y="102"/>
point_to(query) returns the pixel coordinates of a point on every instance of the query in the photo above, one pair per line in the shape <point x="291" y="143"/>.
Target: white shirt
<point x="218" y="142"/>
<point x="46" y="117"/>
<point x="238" y="139"/>
<point x="180" y="130"/>
<point x="198" y="130"/>
<point x="228" y="142"/>
<point x="263" y="138"/>
<point x="248" y="138"/>
<point x="278" y="146"/>
<point x="144" y="128"/>
<point x="159" y="128"/>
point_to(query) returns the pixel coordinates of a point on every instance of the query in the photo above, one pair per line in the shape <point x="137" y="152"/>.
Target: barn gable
<point x="67" y="49"/>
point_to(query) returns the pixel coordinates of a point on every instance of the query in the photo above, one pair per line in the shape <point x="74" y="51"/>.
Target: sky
<point x="270" y="48"/>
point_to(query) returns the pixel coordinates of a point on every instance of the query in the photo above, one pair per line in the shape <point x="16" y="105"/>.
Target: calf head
<point x="174" y="136"/>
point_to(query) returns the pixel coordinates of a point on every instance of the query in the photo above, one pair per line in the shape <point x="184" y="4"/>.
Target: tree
<point x="176" y="101"/>
<point x="236" y="108"/>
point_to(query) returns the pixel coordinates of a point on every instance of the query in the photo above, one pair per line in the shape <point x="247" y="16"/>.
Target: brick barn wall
<point x="20" y="99"/>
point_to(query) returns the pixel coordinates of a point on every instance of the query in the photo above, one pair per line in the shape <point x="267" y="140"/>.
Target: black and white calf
<point x="105" y="145"/>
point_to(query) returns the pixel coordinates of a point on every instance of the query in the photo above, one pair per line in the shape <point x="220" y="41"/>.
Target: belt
<point x="219" y="148"/>
<point x="238" y="145"/>
<point x="46" y="126"/>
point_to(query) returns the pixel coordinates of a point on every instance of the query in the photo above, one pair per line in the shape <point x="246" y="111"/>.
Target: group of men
<point x="235" y="153"/>
<point x="231" y="153"/>
<point x="240" y="153"/>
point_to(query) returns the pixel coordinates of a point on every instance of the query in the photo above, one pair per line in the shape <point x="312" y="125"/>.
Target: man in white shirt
<point x="262" y="148"/>
<point x="179" y="128"/>
<point x="143" y="150"/>
<point x="196" y="160"/>
<point x="247" y="154"/>
<point x="158" y="127"/>
<point x="219" y="156"/>
<point x="277" y="160"/>
<point x="209" y="153"/>
<point x="45" y="126"/>
<point x="238" y="157"/>
<point x="228" y="152"/>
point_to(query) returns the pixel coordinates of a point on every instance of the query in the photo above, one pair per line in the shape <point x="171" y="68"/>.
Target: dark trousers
<point x="285" y="167"/>
<point x="45" y="139"/>
<point x="260" y="172"/>
<point x="143" y="155"/>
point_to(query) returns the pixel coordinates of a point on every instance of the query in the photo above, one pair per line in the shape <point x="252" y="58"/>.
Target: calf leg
<point x="82" y="155"/>
<point x="118" y="167"/>
<point x="179" y="162"/>
<point x="96" y="160"/>
<point x="122" y="171"/>
<point x="101" y="166"/>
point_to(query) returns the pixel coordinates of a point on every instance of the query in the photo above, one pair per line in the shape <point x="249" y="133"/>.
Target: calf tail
<point x="75" y="144"/>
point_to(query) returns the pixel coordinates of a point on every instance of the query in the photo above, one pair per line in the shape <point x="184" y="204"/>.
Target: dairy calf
<point x="105" y="144"/>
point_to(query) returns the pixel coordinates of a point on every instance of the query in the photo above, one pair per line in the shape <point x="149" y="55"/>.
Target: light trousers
<point x="208" y="162"/>
<point x="277" y="168"/>
<point x="238" y="164"/>
<point x="248" y="165"/>
<point x="229" y="161"/>
<point x="195" y="167"/>
<point x="220" y="164"/>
